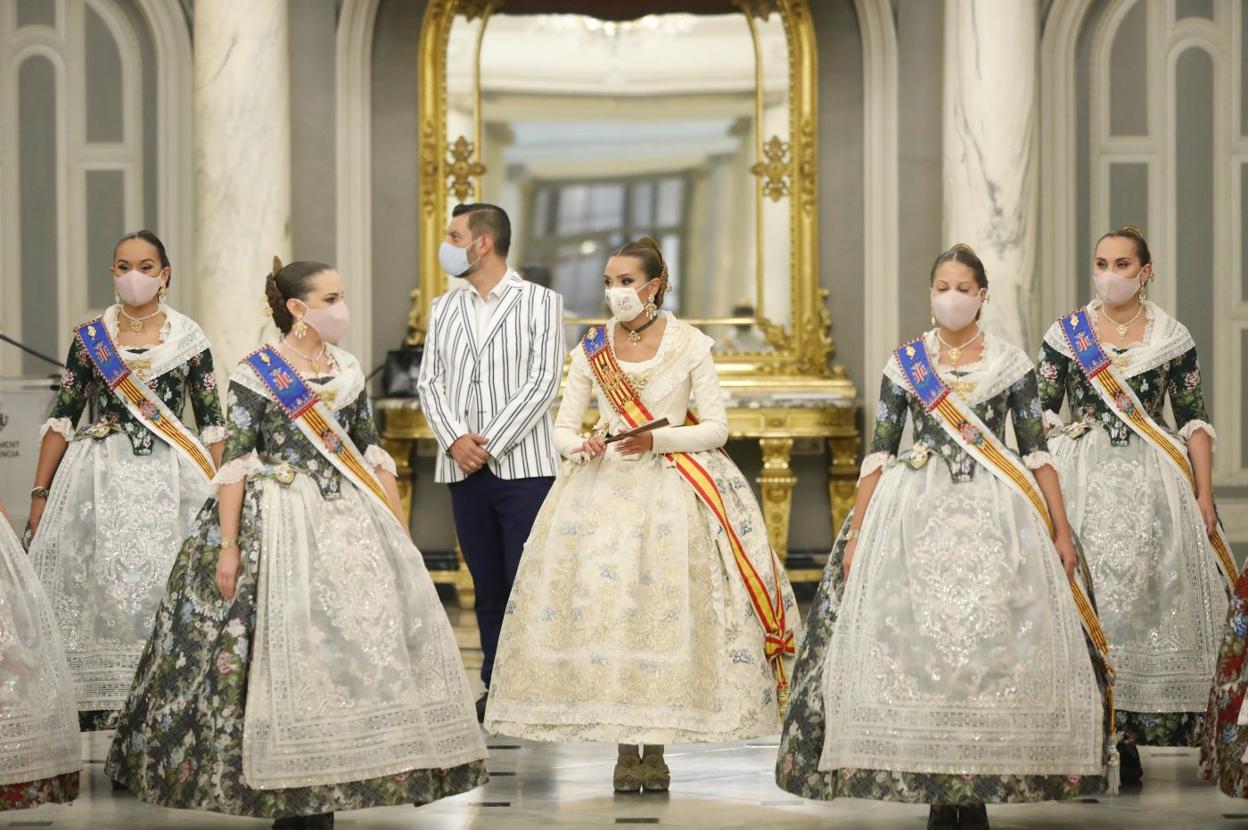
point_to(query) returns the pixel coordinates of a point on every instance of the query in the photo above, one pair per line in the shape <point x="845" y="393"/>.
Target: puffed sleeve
<point x="362" y="427"/>
<point x="572" y="408"/>
<point x="243" y="418"/>
<point x="890" y="423"/>
<point x="76" y="383"/>
<point x="201" y="387"/>
<point x="1183" y="385"/>
<point x="1052" y="372"/>
<point x="711" y="431"/>
<point x="1025" y="409"/>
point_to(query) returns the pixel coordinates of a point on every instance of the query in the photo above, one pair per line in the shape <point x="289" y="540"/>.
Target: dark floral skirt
<point x="180" y="737"/>
<point x="60" y="789"/>
<point x="1222" y="740"/>
<point x="801" y="742"/>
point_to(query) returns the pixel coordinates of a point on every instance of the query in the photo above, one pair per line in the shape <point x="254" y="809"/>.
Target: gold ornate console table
<point x="774" y="418"/>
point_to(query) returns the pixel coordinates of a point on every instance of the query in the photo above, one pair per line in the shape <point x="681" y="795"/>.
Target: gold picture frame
<point x="787" y="167"/>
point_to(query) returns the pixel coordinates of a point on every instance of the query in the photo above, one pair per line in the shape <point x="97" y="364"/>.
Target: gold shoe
<point x="627" y="775"/>
<point x="655" y="776"/>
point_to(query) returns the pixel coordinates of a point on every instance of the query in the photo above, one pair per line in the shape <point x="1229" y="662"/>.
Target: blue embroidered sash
<point x="310" y="414"/>
<point x="140" y="401"/>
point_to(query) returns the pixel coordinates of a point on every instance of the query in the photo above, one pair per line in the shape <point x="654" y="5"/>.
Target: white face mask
<point x="624" y="302"/>
<point x="454" y="259"/>
<point x="955" y="310"/>
<point x="1116" y="290"/>
<point x="136" y="288"/>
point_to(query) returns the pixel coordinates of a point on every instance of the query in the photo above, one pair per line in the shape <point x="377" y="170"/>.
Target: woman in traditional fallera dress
<point x="301" y="662"/>
<point x="952" y="664"/>
<point x="113" y="500"/>
<point x="1150" y="537"/>
<point x="649" y="607"/>
<point x="39" y="749"/>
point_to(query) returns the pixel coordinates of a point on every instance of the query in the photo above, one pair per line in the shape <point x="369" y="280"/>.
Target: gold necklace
<point x="136" y="323"/>
<point x="314" y="360"/>
<point x="955" y="352"/>
<point x="1122" y="328"/>
<point x="634" y="335"/>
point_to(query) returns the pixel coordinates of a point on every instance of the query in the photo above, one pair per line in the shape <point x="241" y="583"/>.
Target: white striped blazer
<point x="502" y="388"/>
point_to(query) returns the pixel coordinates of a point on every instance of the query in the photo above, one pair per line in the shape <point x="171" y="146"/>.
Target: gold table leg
<point x="777" y="482"/>
<point x="842" y="478"/>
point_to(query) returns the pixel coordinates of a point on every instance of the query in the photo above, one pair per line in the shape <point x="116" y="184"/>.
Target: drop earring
<point x="932" y="313"/>
<point x="299" y="329"/>
<point x="164" y="293"/>
<point x="651" y="309"/>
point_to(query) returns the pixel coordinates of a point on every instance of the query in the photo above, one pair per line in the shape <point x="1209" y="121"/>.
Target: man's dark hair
<point x="488" y="219"/>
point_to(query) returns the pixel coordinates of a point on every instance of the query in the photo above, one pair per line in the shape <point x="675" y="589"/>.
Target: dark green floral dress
<point x="180" y="739"/>
<point x="802" y="740"/>
<point x="83" y="388"/>
<point x="1174" y="374"/>
<point x="60" y="789"/>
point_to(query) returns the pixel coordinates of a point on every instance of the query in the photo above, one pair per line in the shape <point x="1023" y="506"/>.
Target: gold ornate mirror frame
<point x="785" y="168"/>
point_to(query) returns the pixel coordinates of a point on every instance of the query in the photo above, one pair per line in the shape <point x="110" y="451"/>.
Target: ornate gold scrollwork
<point x="774" y="169"/>
<point x="461" y="169"/>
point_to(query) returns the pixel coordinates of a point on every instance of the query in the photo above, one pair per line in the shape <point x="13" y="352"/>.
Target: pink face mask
<point x="955" y="310"/>
<point x="331" y="322"/>
<point x="136" y="288"/>
<point x="1116" y="290"/>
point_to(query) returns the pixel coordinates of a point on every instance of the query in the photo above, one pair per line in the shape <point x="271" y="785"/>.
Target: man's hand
<point x="469" y="454"/>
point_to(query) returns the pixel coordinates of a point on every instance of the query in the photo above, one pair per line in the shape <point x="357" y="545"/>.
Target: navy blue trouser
<point x="493" y="518"/>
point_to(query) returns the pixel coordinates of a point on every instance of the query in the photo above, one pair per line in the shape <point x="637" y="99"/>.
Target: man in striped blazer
<point x="491" y="368"/>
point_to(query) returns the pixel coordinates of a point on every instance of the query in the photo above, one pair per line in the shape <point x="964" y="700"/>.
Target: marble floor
<point x="539" y="786"/>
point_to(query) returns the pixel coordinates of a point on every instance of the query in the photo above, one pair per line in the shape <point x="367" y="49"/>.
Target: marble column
<point x="991" y="151"/>
<point x="242" y="167"/>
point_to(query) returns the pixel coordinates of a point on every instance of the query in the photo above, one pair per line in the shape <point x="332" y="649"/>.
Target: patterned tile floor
<point x="538" y="787"/>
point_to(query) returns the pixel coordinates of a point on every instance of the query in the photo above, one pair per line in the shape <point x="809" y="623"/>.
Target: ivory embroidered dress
<point x="121" y="503"/>
<point x="952" y="667"/>
<point x="1162" y="599"/>
<point x="629" y="622"/>
<point x="39" y="748"/>
<point x="332" y="680"/>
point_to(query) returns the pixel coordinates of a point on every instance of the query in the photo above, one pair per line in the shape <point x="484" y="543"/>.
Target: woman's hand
<point x="850" y="548"/>
<point x="1065" y="545"/>
<point x="1208" y="513"/>
<point x="637" y="444"/>
<point x="37" y="505"/>
<point x="228" y="563"/>
<point x="593" y="447"/>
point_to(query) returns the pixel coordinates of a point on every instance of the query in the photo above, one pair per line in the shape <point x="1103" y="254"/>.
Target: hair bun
<point x="650" y="243"/>
<point x="1131" y="230"/>
<point x="962" y="246"/>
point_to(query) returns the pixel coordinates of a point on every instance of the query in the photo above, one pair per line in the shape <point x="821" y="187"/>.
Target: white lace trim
<point x="1052" y="420"/>
<point x="238" y="469"/>
<point x="874" y="462"/>
<point x="381" y="459"/>
<point x="1036" y="460"/>
<point x="1000" y="367"/>
<point x="61" y="426"/>
<point x="1204" y="426"/>
<point x="181" y="338"/>
<point x="1166" y="339"/>
<point x="212" y="434"/>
